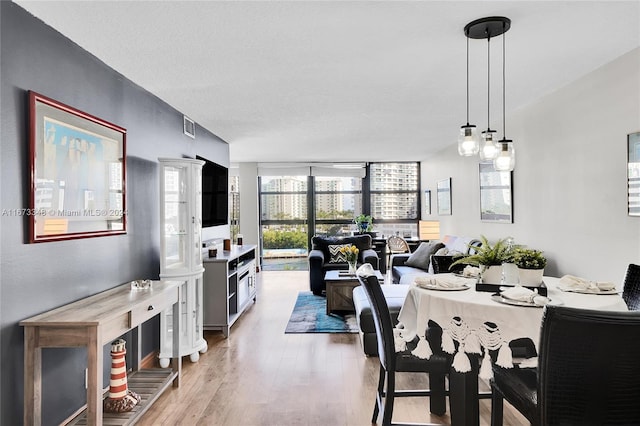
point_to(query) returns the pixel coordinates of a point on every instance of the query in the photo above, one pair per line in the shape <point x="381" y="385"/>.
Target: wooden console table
<point x="93" y="322"/>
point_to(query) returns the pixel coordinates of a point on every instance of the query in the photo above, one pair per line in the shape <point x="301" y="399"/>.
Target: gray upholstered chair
<point x="322" y="257"/>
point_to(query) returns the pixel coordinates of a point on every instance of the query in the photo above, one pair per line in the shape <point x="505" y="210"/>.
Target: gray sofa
<point x="436" y="258"/>
<point x="394" y="295"/>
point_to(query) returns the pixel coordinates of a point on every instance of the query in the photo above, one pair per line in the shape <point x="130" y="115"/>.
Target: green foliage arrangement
<point x="486" y="254"/>
<point x="279" y="239"/>
<point x="360" y="220"/>
<point x="529" y="259"/>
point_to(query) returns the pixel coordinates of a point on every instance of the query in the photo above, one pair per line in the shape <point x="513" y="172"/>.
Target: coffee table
<point x="339" y="290"/>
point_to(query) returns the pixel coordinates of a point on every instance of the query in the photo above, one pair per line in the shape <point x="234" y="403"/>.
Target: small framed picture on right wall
<point x="496" y="195"/>
<point x="633" y="174"/>
<point x="427" y="201"/>
<point x="444" y="197"/>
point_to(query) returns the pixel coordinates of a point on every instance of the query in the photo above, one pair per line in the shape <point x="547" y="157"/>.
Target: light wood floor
<point x="262" y="376"/>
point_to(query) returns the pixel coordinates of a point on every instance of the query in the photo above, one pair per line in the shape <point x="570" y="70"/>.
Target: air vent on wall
<point x="189" y="127"/>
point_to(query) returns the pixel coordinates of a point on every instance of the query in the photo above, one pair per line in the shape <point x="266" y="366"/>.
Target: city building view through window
<point x="294" y="208"/>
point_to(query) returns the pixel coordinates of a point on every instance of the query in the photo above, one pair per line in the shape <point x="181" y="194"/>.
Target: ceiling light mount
<point x="487" y="27"/>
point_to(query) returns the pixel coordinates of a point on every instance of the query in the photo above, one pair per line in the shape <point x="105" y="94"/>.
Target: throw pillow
<point x="442" y="252"/>
<point x="421" y="257"/>
<point x="335" y="256"/>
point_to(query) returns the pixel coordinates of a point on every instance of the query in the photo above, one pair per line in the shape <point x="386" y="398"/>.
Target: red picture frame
<point x="77" y="180"/>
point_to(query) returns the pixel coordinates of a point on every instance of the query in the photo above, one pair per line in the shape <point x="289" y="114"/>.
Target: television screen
<point x="215" y="194"/>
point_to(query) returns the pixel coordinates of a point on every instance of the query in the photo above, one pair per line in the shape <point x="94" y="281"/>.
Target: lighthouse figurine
<point x="120" y="398"/>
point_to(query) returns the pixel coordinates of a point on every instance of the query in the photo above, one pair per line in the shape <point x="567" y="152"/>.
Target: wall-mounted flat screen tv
<point x="215" y="194"/>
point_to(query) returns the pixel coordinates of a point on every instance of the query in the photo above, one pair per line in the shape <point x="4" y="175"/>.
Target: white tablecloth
<point x="479" y="324"/>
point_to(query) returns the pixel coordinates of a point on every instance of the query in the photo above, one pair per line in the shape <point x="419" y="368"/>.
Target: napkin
<point x="523" y="294"/>
<point x="441" y="282"/>
<point x="570" y="282"/>
<point x="519" y="293"/>
<point x="471" y="271"/>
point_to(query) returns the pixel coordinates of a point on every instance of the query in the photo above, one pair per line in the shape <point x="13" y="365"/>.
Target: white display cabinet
<point x="180" y="253"/>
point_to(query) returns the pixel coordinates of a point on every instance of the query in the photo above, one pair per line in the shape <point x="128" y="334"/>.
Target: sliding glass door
<point x="284" y="223"/>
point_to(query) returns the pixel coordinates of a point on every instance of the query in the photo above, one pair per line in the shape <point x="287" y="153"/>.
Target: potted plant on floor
<point x="530" y="265"/>
<point x="488" y="258"/>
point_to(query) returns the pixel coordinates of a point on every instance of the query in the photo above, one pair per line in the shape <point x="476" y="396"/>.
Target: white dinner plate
<point x="435" y="287"/>
<point x="590" y="291"/>
<point x="461" y="275"/>
<point x="500" y="299"/>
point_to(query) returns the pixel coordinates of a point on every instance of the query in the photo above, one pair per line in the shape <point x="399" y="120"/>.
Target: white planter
<point x="510" y="272"/>
<point x="530" y="277"/>
<point x="492" y="274"/>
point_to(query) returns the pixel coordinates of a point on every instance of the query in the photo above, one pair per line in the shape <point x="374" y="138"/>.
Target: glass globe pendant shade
<point x="488" y="149"/>
<point x="468" y="140"/>
<point x="506" y="159"/>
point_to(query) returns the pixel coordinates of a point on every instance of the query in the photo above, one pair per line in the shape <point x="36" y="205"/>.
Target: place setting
<point x="570" y="283"/>
<point x="442" y="283"/>
<point x="522" y="296"/>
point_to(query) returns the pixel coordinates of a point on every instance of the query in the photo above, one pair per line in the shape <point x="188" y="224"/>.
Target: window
<point x="337" y="200"/>
<point x="234" y="206"/>
<point x="283" y="198"/>
<point x="325" y="202"/>
<point x="395" y="197"/>
<point x="283" y="221"/>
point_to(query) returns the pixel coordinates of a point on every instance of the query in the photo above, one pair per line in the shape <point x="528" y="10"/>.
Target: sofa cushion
<point x="363" y="242"/>
<point x="421" y="257"/>
<point x="394" y="294"/>
<point x="335" y="255"/>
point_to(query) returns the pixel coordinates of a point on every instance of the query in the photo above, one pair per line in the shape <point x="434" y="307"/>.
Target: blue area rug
<point x="309" y="316"/>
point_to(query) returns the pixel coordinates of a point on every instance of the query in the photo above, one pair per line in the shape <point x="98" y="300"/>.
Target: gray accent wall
<point x="570" y="179"/>
<point x="38" y="277"/>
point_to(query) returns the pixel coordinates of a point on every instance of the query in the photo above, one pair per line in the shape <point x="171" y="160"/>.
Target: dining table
<point x="479" y="329"/>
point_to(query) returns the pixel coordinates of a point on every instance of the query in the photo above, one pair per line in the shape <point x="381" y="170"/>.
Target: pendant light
<point x="506" y="159"/>
<point x="488" y="149"/>
<point x="501" y="153"/>
<point x="468" y="140"/>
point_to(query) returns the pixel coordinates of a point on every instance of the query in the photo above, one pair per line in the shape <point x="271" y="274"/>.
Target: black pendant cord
<point x="488" y="82"/>
<point x="467" y="81"/>
<point x="504" y="117"/>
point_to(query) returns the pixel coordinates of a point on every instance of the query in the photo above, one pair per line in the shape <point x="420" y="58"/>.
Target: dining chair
<point x="587" y="371"/>
<point x="391" y="362"/>
<point x="397" y="245"/>
<point x="631" y="287"/>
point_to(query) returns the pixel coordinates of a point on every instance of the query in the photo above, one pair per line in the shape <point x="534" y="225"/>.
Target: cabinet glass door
<point x="176" y="219"/>
<point x="197" y="218"/>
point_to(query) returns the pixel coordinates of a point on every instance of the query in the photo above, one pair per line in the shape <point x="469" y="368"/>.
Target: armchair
<point x="321" y="260"/>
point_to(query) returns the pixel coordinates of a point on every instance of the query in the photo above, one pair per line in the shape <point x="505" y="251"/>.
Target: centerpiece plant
<point x="489" y="258"/>
<point x="531" y="264"/>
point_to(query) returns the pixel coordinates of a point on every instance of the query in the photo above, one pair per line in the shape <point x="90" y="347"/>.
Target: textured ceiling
<point x="342" y="81"/>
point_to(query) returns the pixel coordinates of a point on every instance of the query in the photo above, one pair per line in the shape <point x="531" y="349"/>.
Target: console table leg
<point x="32" y="379"/>
<point x="94" y="377"/>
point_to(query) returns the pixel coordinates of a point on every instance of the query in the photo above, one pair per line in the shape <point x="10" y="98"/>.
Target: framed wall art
<point x="77" y="173"/>
<point x="496" y="195"/>
<point x="633" y="174"/>
<point x="444" y="197"/>
<point x="427" y="201"/>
